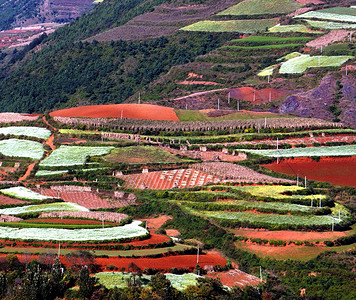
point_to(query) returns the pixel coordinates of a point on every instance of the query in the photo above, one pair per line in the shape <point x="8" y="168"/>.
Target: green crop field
<point x="262" y="47"/>
<point x="261" y="7"/>
<point x="267" y="219"/>
<point x="120" y="280"/>
<point x="73" y="155"/>
<point x="292" y="28"/>
<point x="141" y="155"/>
<point x="263" y="40"/>
<point x="242" y="26"/>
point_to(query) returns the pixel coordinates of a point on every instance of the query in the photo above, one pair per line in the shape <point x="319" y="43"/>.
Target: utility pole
<point x="229" y="96"/>
<point x="59" y="249"/>
<point x="198" y="255"/>
<point x="265" y="122"/>
<point x="102" y="217"/>
<point x="122" y="113"/>
<point x="339" y="215"/>
<point x="346" y="70"/>
<point x="332" y="227"/>
<point x="270" y="95"/>
<point x="102" y="137"/>
<point x="320" y="201"/>
<point x="305" y="181"/>
<point x="238" y="105"/>
<point x="268" y="77"/>
<point x="319" y="60"/>
<point x="218" y="104"/>
<point x="254" y="95"/>
<point x="261" y="273"/>
<point x="311" y="205"/>
<point x="139" y="98"/>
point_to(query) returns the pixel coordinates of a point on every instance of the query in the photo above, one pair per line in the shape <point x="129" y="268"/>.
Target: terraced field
<point x="181" y="178"/>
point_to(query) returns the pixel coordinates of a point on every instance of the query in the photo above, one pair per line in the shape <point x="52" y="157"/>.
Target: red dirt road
<point x="130" y="111"/>
<point x="28" y="171"/>
<point x="335" y="170"/>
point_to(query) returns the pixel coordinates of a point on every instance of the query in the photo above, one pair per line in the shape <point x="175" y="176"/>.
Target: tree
<point x="86" y="283"/>
<point x="162" y="287"/>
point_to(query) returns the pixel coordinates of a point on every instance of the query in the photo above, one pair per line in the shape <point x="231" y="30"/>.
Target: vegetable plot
<point x="23" y="193"/>
<point x="342" y="14"/>
<point x="21" y="148"/>
<point x="73" y="155"/>
<point x="65" y="206"/>
<point x="38" y="132"/>
<point x="133" y="230"/>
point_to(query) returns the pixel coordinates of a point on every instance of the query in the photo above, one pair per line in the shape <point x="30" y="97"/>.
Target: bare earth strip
<point x="327" y="39"/>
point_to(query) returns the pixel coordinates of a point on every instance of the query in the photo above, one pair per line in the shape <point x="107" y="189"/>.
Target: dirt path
<point x="49" y="142"/>
<point x="199" y="94"/>
<point x="49" y="125"/>
<point x="28" y="171"/>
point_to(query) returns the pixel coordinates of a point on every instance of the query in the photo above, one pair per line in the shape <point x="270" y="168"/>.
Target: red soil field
<point x="172" y="232"/>
<point x="154" y="239"/>
<point x="290" y="235"/>
<point x="7" y="200"/>
<point x="156" y="223"/>
<point x="49" y="142"/>
<point x="286" y="252"/>
<point x="235" y="277"/>
<point x="167" y="262"/>
<point x="129" y="111"/>
<point x="257" y="96"/>
<point x="335" y="170"/>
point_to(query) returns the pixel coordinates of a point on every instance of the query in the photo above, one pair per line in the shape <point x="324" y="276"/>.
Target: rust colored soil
<point x="172" y="232"/>
<point x="257" y="96"/>
<point x="286" y="252"/>
<point x="235" y="277"/>
<point x="28" y="171"/>
<point x="155" y="223"/>
<point x="130" y="111"/>
<point x="335" y="170"/>
<point x="176" y="261"/>
<point x="7" y="200"/>
<point x="290" y="235"/>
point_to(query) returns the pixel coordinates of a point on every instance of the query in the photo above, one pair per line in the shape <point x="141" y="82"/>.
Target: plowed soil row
<point x="335" y="170"/>
<point x="169" y="179"/>
<point x="257" y="96"/>
<point x="7" y="200"/>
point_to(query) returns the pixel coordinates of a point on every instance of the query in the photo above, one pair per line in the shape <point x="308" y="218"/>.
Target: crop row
<point x="62" y="206"/>
<point x="169" y="126"/>
<point x="133" y="230"/>
<point x="92" y="215"/>
<point x="20" y="192"/>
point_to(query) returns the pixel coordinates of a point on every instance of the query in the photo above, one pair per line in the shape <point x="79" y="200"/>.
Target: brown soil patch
<point x="257" y="96"/>
<point x="290" y="235"/>
<point x="235" y="277"/>
<point x="7" y="200"/>
<point x="129" y="111"/>
<point x="336" y="170"/>
<point x="156" y="223"/>
<point x="286" y="252"/>
<point x="172" y="232"/>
